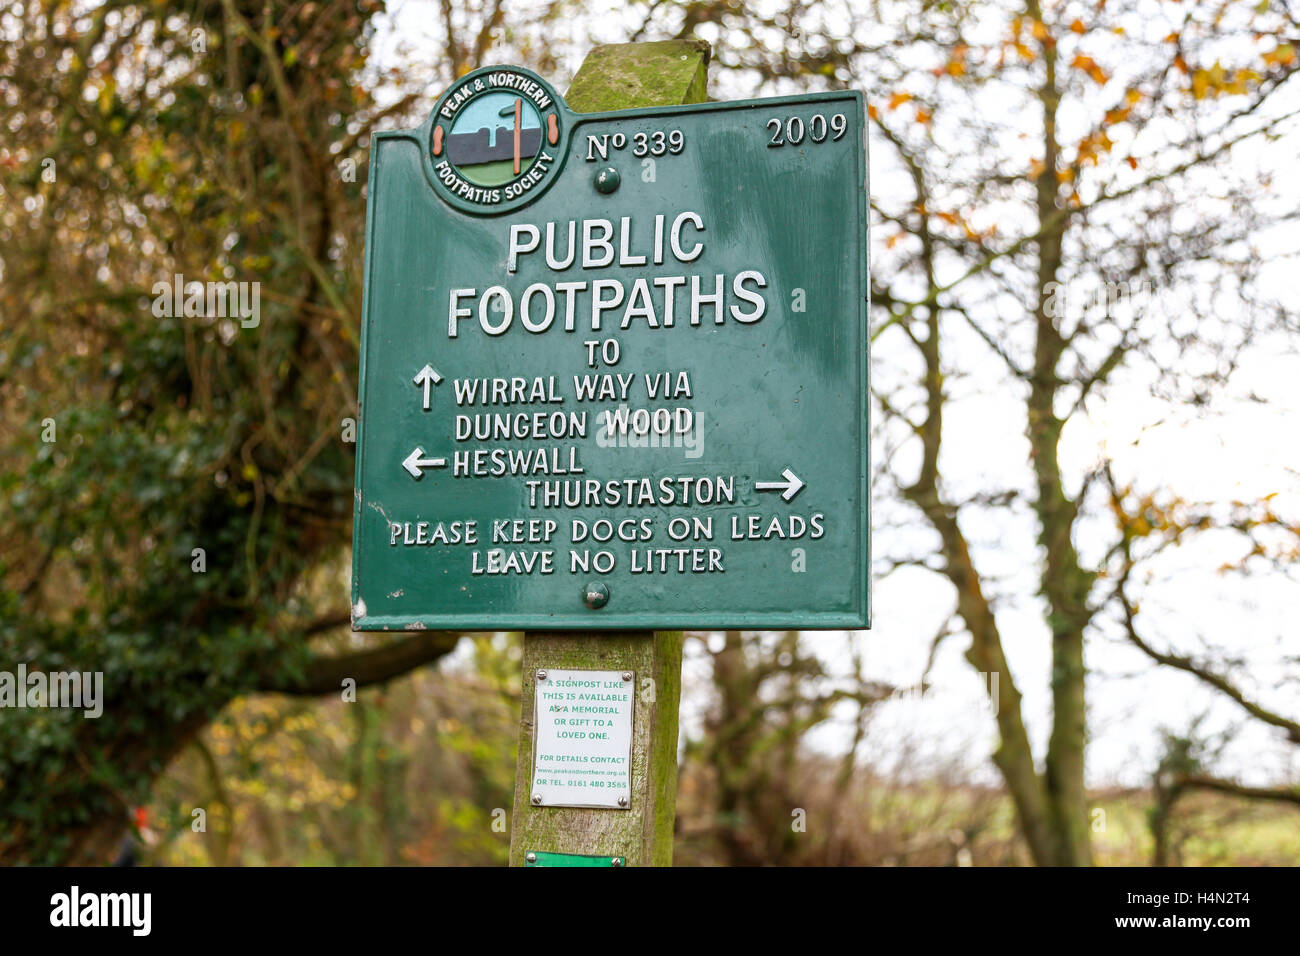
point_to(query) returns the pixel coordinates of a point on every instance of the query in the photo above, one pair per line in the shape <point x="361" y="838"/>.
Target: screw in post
<point x="537" y="799"/>
<point x="595" y="595"/>
<point x="627" y="675"/>
<point x="530" y="857"/>
<point x="607" y="180"/>
<point x="541" y="675"/>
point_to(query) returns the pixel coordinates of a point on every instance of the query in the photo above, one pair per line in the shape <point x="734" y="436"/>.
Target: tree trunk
<point x="1063" y="584"/>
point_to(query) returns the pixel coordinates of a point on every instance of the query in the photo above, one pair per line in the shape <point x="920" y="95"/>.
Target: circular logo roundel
<point x="495" y="139"/>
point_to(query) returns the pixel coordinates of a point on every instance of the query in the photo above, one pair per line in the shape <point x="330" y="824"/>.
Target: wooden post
<point x="643" y="834"/>
<point x="613" y="77"/>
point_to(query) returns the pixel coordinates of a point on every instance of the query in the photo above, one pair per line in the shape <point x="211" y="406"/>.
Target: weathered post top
<point x="622" y="76"/>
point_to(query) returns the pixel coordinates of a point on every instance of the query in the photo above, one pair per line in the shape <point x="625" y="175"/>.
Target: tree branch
<point x="1186" y="664"/>
<point x="325" y="675"/>
<point x="1204" y="674"/>
<point x="1232" y="788"/>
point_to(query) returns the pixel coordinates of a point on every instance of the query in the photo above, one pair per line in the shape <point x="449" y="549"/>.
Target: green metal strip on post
<point x="542" y="858"/>
<point x="617" y="76"/>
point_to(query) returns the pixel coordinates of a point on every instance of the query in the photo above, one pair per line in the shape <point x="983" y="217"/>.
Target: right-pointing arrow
<point x="792" y="485"/>
<point x="416" y="461"/>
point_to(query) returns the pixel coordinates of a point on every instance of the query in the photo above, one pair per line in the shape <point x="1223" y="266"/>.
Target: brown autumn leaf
<point x="1089" y="66"/>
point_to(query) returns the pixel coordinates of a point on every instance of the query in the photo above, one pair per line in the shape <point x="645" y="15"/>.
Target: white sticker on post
<point x="582" y="739"/>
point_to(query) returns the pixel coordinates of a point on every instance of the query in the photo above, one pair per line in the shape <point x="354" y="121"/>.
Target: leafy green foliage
<point x="169" y="534"/>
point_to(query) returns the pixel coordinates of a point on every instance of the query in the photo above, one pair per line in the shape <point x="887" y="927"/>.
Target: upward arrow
<point x="428" y="377"/>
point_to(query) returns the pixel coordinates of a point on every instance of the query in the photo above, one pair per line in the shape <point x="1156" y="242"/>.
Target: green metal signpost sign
<point x="614" y="367"/>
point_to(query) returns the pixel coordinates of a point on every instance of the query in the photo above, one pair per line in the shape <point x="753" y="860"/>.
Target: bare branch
<point x="325" y="675"/>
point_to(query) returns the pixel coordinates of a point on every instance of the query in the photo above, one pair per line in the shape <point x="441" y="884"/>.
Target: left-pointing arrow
<point x="428" y="377"/>
<point x="416" y="461"/>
